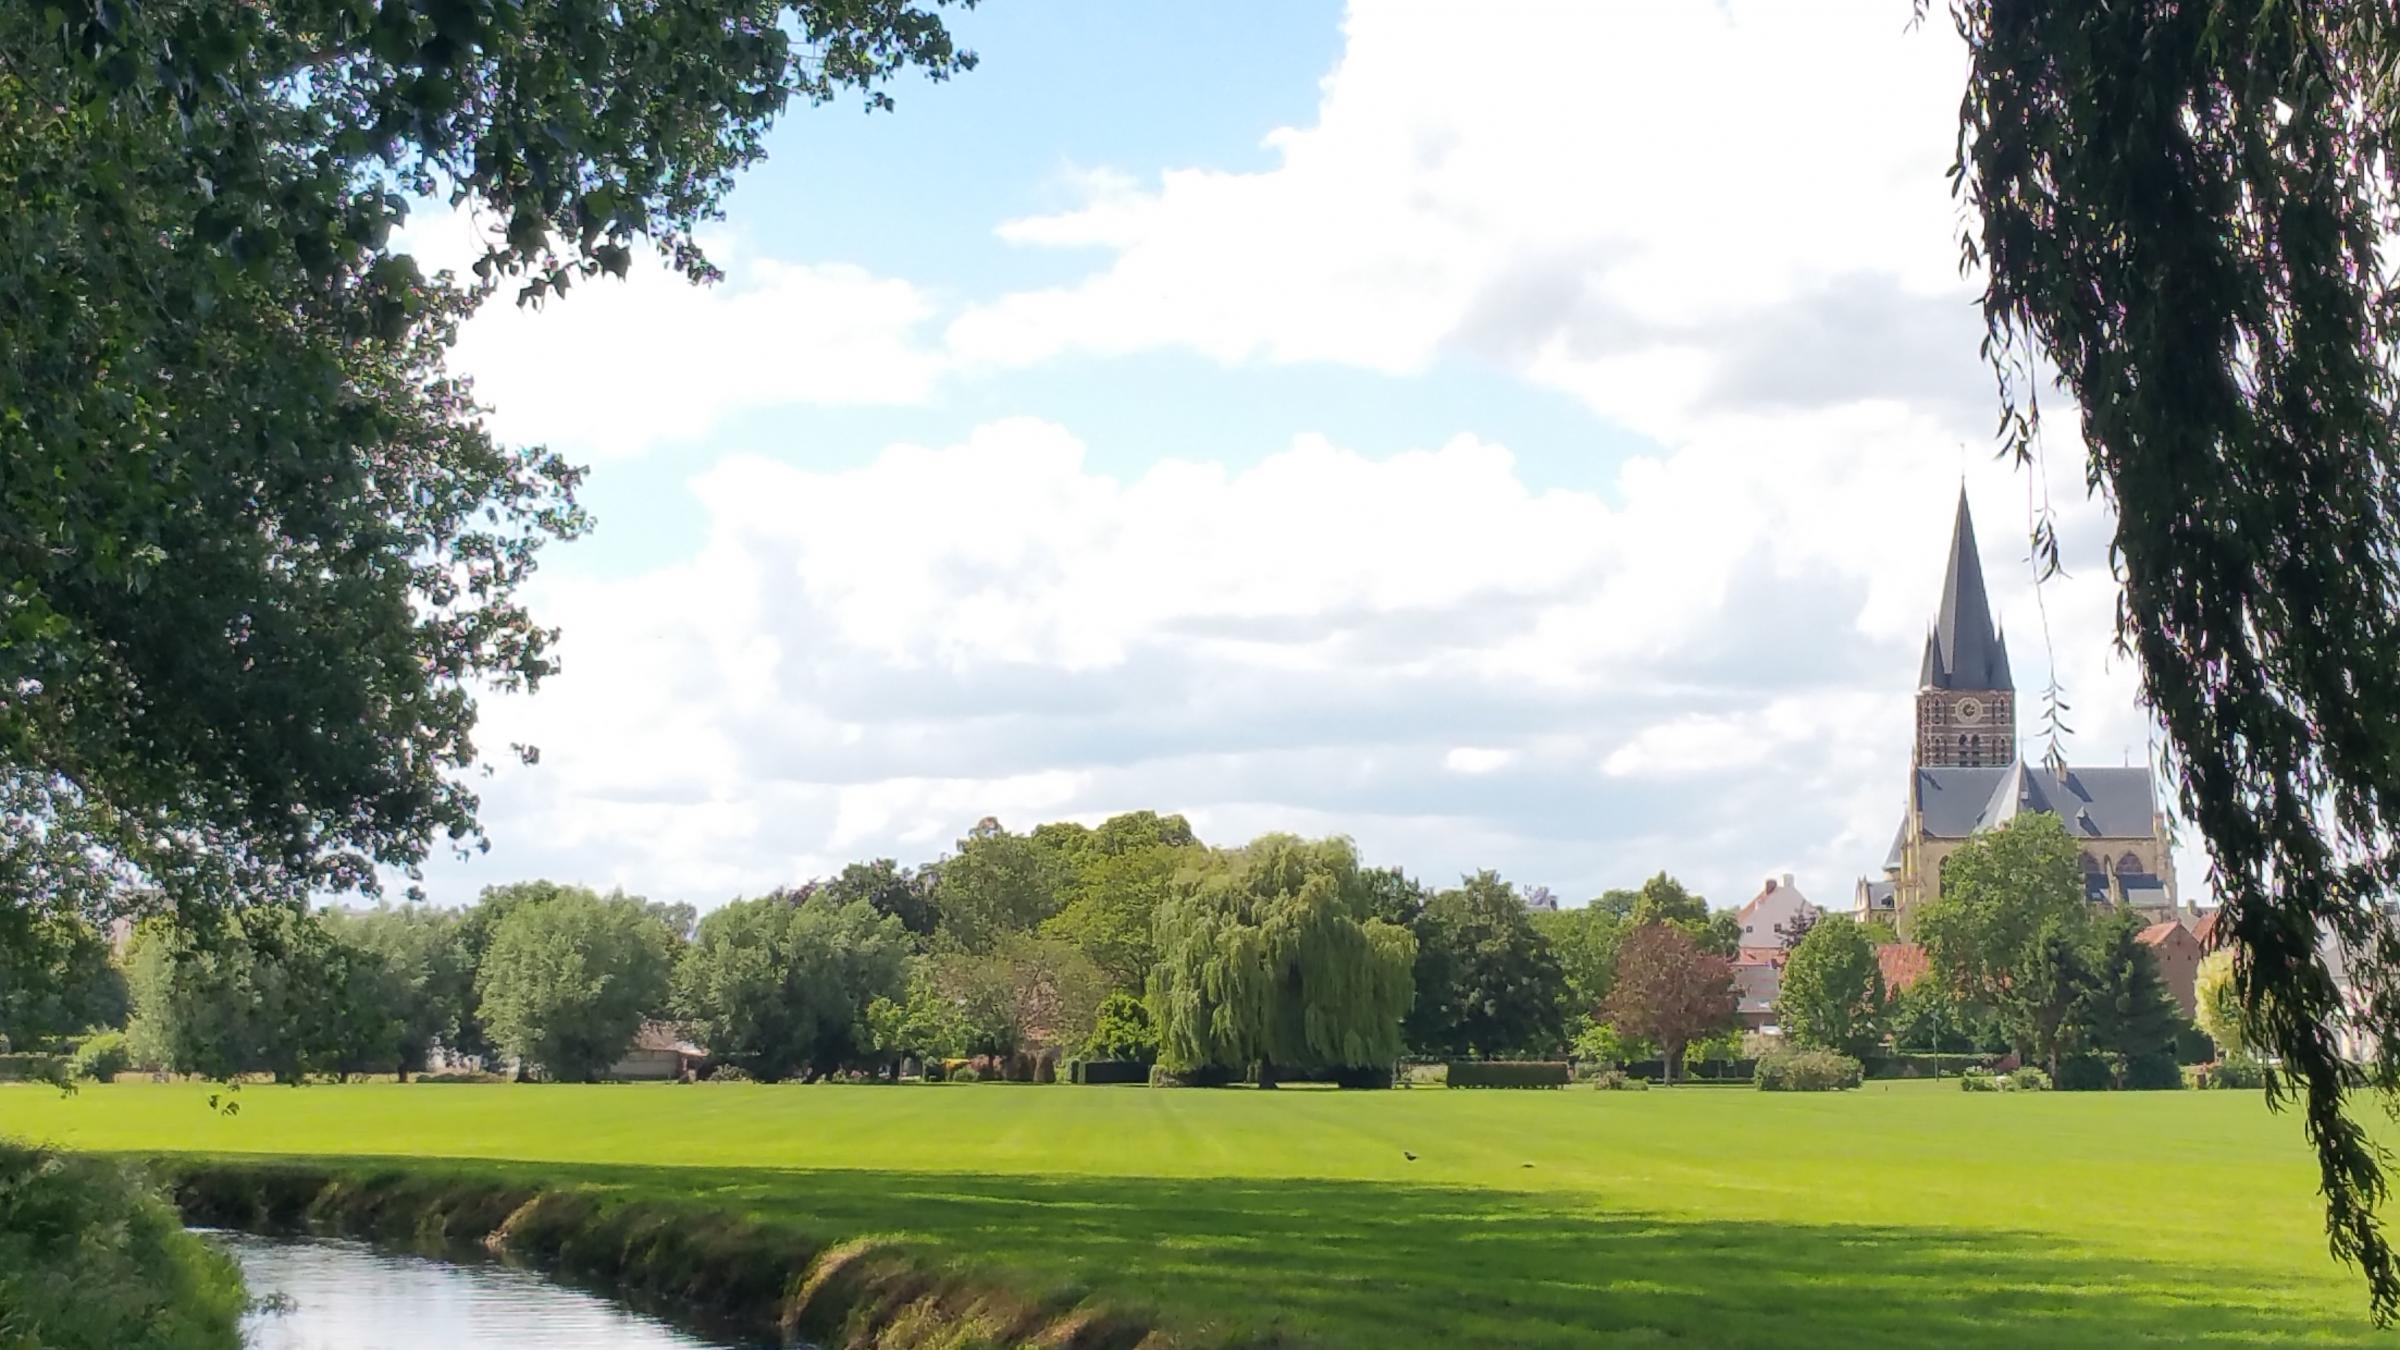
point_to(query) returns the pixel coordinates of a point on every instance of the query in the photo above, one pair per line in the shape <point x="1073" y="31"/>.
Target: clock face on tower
<point x="1968" y="710"/>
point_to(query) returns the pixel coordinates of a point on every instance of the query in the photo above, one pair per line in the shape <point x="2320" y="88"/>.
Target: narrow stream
<point x="338" y="1295"/>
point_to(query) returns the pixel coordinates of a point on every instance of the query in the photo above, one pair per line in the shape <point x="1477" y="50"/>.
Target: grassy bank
<point x="92" y="1259"/>
<point x="1903" y="1215"/>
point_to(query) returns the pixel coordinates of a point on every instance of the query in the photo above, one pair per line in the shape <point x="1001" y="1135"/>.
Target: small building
<point x="1758" y="981"/>
<point x="2178" y="953"/>
<point x="1777" y="915"/>
<point x="657" y="1055"/>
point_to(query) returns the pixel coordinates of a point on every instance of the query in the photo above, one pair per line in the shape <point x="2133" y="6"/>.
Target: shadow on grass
<point x="1374" y="1265"/>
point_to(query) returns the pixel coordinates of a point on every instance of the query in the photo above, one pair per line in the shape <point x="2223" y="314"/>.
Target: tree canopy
<point x="1273" y="956"/>
<point x="1671" y="991"/>
<point x="2009" y="928"/>
<point x="2181" y="211"/>
<point x="257" y="551"/>
<point x="1832" y="994"/>
<point x="569" y="979"/>
<point x="1486" y="981"/>
<point x="781" y="989"/>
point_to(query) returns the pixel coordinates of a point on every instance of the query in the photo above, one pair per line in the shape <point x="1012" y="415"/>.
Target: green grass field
<point x="1903" y="1215"/>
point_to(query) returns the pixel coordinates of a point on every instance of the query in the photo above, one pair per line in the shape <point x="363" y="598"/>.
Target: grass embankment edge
<point x="739" y="1275"/>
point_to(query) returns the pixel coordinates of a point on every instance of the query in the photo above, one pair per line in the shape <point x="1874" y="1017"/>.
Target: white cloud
<point x="1603" y="198"/>
<point x="1723" y="226"/>
<point x="1708" y="674"/>
<point x="1477" y="759"/>
<point x="620" y="366"/>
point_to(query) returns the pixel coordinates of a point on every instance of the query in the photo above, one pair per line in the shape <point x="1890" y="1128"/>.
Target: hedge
<point x="1923" y="1064"/>
<point x="1714" y="1071"/>
<point x="1095" y="1072"/>
<point x="1509" y="1073"/>
<point x="1796" y="1070"/>
<point x="21" y="1067"/>
<point x="1206" y="1075"/>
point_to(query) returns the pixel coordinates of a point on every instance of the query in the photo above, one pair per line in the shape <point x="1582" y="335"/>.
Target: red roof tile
<point x="1903" y="963"/>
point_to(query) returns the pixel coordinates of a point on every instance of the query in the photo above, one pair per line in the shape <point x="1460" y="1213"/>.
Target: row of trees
<point x="1129" y="940"/>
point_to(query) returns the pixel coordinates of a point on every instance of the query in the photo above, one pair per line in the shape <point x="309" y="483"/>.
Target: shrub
<point x="2084" y="1073"/>
<point x="1045" y="1068"/>
<point x="730" y="1073"/>
<point x="1206" y="1075"/>
<point x="1979" y="1080"/>
<point x="91" y="1259"/>
<point x="2234" y="1071"/>
<point x="460" y="1076"/>
<point x="2152" y="1073"/>
<point x="1509" y="1073"/>
<point x="968" y="1073"/>
<point x="1424" y="1075"/>
<point x="101" y="1057"/>
<point x="1796" y="1070"/>
<point x="1104" y="1071"/>
<point x="1615" y="1080"/>
<point x="2026" y="1079"/>
<point x="20" y="1067"/>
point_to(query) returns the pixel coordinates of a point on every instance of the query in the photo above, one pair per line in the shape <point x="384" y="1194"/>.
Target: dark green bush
<point x="101" y="1057"/>
<point x="1916" y="1064"/>
<point x="1207" y="1075"/>
<point x="21" y="1067"/>
<point x="2085" y="1073"/>
<point x="2239" y="1071"/>
<point x="1792" y="1069"/>
<point x="1510" y="1073"/>
<point x="2152" y="1073"/>
<point x="1103" y="1071"/>
<point x="91" y="1259"/>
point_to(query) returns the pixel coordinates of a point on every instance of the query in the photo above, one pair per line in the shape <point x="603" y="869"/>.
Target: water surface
<point x="339" y="1295"/>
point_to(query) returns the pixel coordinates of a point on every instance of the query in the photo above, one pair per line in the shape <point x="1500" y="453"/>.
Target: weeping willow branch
<point x="2179" y="209"/>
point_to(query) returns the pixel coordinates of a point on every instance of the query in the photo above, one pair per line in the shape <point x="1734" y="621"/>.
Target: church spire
<point x="1964" y="651"/>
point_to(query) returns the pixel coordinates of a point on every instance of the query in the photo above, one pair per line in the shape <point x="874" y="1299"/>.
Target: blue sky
<point x="1526" y="444"/>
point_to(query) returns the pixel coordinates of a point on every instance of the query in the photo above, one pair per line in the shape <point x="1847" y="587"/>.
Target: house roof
<point x="2093" y="803"/>
<point x="2206" y="929"/>
<point x="1878" y="893"/>
<point x="2161" y="933"/>
<point x="1964" y="650"/>
<point x="1759" y="956"/>
<point x="658" y="1036"/>
<point x="1903" y="964"/>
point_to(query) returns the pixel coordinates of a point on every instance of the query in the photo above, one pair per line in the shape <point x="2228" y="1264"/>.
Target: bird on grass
<point x="1408" y="1155"/>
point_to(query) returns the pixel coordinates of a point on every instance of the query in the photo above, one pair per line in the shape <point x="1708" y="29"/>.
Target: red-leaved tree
<point x="1669" y="991"/>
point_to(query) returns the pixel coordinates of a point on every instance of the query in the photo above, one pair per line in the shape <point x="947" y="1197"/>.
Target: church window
<point x="2128" y="865"/>
<point x="2091" y="865"/>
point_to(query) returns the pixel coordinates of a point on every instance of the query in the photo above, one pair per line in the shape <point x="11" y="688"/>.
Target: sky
<point x="1527" y="444"/>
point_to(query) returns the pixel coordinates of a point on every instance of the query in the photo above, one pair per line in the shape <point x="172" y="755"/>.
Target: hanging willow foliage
<point x="2179" y="209"/>
<point x="1275" y="957"/>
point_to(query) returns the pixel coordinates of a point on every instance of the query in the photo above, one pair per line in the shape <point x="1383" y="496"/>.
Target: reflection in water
<point x="348" y="1296"/>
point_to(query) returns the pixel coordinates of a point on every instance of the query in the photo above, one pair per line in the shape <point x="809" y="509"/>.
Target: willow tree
<point x="1274" y="957"/>
<point x="2181" y="210"/>
<point x="258" y="554"/>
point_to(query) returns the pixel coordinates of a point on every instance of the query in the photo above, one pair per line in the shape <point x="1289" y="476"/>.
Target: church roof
<point x="1964" y="650"/>
<point x="2093" y="803"/>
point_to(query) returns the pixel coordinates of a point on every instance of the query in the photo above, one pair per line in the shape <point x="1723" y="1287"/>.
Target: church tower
<point x="1966" y="702"/>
